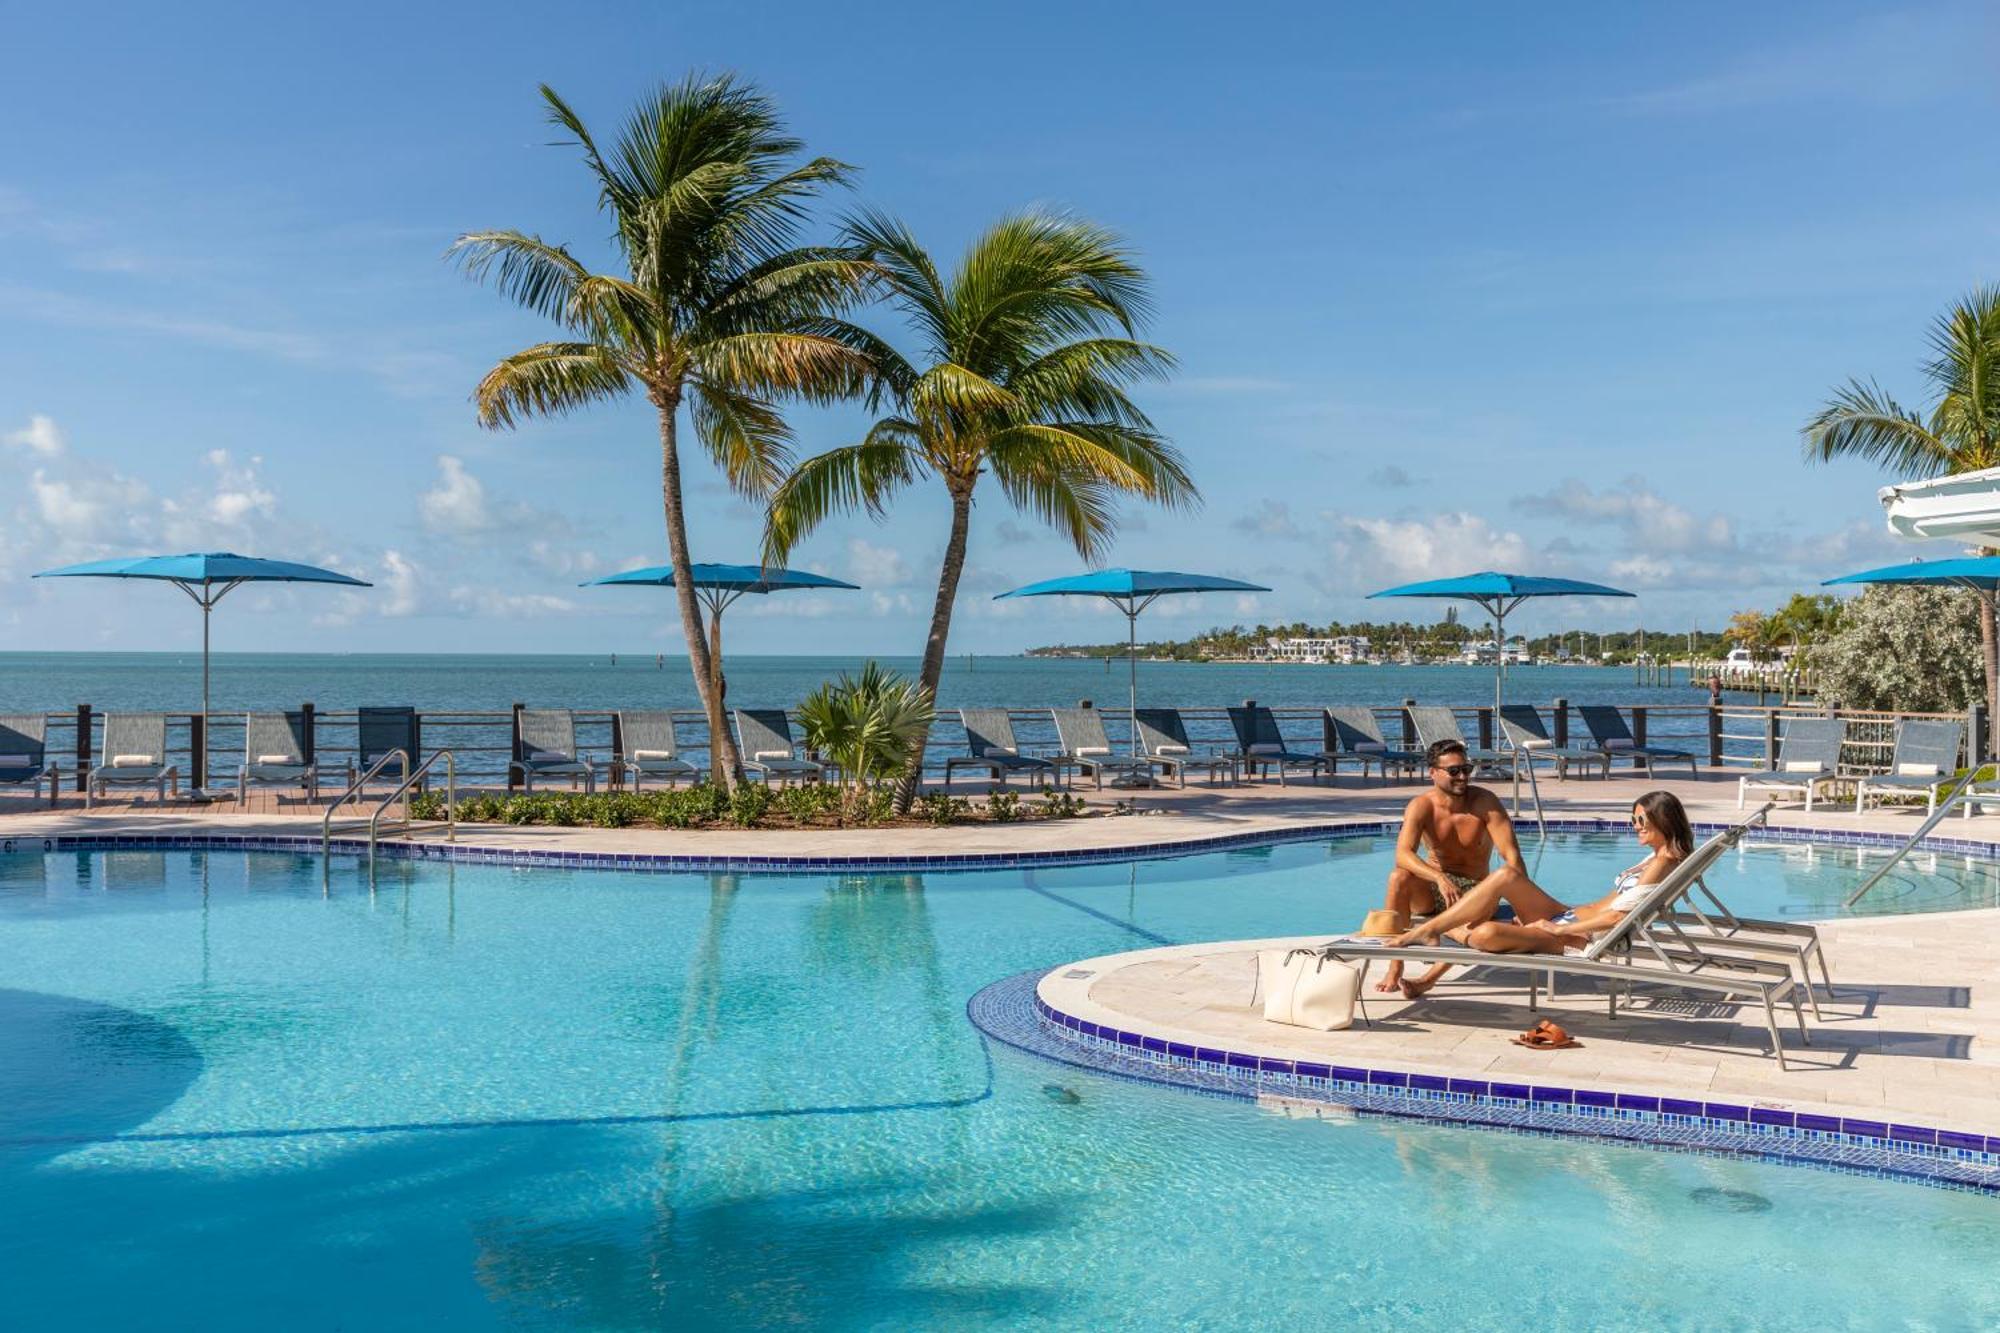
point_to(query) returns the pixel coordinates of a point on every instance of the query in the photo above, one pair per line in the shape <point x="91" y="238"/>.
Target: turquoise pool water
<point x="481" y="1096"/>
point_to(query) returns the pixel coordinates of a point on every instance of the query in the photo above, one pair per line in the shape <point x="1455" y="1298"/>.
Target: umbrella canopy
<point x="1131" y="591"/>
<point x="207" y="577"/>
<point x="1981" y="572"/>
<point x="1499" y="594"/>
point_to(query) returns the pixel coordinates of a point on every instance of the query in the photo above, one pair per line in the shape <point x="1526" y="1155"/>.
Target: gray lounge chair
<point x="1163" y="736"/>
<point x="1261" y="747"/>
<point x="275" y="755"/>
<point x="1925" y="759"/>
<point x="1353" y="732"/>
<point x="24" y="754"/>
<point x="1609" y="733"/>
<point x="764" y="738"/>
<point x="649" y="749"/>
<point x="1080" y="731"/>
<point x="134" y="755"/>
<point x="1808" y="755"/>
<point x="990" y="747"/>
<point x="1642" y="949"/>
<point x="1521" y="725"/>
<point x="1435" y="724"/>
<point x="547" y="749"/>
<point x="380" y="733"/>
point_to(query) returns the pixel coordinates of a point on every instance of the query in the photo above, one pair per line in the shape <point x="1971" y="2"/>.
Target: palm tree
<point x="1028" y="349"/>
<point x="712" y="307"/>
<point x="1961" y="434"/>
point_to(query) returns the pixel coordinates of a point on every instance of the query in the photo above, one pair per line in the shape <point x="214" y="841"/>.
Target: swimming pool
<point x="486" y="1095"/>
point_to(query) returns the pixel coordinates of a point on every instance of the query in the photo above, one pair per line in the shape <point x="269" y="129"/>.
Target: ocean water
<point x="443" y="682"/>
<point x="487" y="1097"/>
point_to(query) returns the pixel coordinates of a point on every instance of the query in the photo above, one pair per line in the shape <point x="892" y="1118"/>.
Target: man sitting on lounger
<point x="1464" y="826"/>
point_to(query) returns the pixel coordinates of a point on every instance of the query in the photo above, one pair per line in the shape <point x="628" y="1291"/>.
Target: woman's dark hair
<point x="1663" y="811"/>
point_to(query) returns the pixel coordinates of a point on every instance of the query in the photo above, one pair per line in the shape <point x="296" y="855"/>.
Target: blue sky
<point x="1547" y="288"/>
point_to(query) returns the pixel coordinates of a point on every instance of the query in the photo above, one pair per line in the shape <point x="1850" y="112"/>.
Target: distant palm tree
<point x="1027" y="350"/>
<point x="1962" y="433"/>
<point x="712" y="307"/>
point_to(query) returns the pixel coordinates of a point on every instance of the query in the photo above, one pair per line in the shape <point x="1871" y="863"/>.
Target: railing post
<point x="310" y="742"/>
<point x="1561" y="734"/>
<point x="1978" y="740"/>
<point x="1638" y="726"/>
<point x="198" y="749"/>
<point x="82" y="747"/>
<point x="618" y="753"/>
<point x="1771" y="738"/>
<point x="1485" y="728"/>
<point x="514" y="745"/>
<point x="1409" y="727"/>
<point x="1715" y="736"/>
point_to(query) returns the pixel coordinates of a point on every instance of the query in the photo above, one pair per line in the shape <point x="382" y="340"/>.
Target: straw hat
<point x="1383" y="922"/>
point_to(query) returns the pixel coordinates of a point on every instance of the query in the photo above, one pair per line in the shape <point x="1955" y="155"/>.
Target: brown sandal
<point x="1546" y="1036"/>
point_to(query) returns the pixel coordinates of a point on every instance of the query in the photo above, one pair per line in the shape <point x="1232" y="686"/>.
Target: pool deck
<point x="1910" y="1036"/>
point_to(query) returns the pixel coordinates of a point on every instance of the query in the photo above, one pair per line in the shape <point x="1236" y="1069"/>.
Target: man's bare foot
<point x="1407" y="939"/>
<point x="1391" y="981"/>
<point x="1416" y="990"/>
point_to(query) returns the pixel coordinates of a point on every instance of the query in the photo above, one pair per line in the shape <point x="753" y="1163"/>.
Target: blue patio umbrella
<point x="1499" y="594"/>
<point x="1131" y="591"/>
<point x="1981" y="573"/>
<point x="718" y="587"/>
<point x="207" y="577"/>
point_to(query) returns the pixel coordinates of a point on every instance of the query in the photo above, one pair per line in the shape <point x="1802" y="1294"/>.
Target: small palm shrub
<point x="872" y="725"/>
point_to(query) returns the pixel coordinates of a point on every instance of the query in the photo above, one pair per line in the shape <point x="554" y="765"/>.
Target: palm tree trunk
<point x="932" y="669"/>
<point x="722" y="759"/>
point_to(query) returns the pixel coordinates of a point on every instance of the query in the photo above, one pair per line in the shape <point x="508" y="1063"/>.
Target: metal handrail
<point x="410" y="780"/>
<point x="1923" y="830"/>
<point x="326" y="821"/>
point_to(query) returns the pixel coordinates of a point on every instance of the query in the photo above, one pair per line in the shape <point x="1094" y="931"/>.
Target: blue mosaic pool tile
<point x="1471" y="1087"/>
<point x="1517" y="1091"/>
<point x="1430" y="1081"/>
<point x="1764" y="1115"/>
<point x="1563" y="1095"/>
<point x="1679" y="1106"/>
<point x="1726" y="1111"/>
<point x="1821" y="1124"/>
<point x="1180" y="1051"/>
<point x="1632" y="1101"/>
<point x="1912" y="1134"/>
<point x="1348" y="1074"/>
<point x="1388" y="1078"/>
<point x="1872" y="1129"/>
<point x="1951" y="1138"/>
<point x="1238" y="1061"/>
<point x="1314" y="1071"/>
<point x="1584" y="1097"/>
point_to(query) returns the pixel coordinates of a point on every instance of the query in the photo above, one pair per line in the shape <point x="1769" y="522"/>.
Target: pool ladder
<point x="411" y="777"/>
<point x="1958" y="797"/>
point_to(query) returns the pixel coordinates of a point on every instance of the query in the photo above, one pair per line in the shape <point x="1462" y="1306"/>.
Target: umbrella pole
<point x="201" y="760"/>
<point x="1132" y="675"/>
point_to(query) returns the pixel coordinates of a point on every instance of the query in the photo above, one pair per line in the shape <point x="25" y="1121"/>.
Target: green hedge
<point x="754" y="805"/>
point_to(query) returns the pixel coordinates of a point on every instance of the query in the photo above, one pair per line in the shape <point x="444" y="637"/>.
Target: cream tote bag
<point x="1304" y="988"/>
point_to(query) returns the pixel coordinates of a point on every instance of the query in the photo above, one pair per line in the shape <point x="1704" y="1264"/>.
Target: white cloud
<point x="239" y="494"/>
<point x="508" y="605"/>
<point x="1651" y="520"/>
<point x="40" y="436"/>
<point x="399" y="587"/>
<point x="456" y="506"/>
<point x="874" y="566"/>
<point x="1368" y="553"/>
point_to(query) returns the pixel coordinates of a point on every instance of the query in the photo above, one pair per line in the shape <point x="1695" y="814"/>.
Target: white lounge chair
<point x="274" y="755"/>
<point x="1925" y="759"/>
<point x="134" y="755"/>
<point x="1163" y="736"/>
<point x="990" y="748"/>
<point x="547" y="749"/>
<point x="1808" y="755"/>
<point x="24" y="755"/>
<point x="1080" y="731"/>
<point x="648" y="748"/>
<point x="764" y="739"/>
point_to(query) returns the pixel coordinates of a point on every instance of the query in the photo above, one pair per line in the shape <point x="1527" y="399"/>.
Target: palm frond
<point x="1076" y="504"/>
<point x="948" y="390"/>
<point x="1117" y="458"/>
<point x="773" y="364"/>
<point x="857" y="477"/>
<point x="1861" y="421"/>
<point x="1087" y="378"/>
<point x="746" y="437"/>
<point x="908" y="274"/>
<point x="526" y="269"/>
<point x="548" y="379"/>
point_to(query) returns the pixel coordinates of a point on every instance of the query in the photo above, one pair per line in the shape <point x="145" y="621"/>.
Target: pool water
<point x="483" y="1096"/>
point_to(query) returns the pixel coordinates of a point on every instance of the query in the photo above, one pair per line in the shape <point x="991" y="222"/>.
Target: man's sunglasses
<point x="1455" y="770"/>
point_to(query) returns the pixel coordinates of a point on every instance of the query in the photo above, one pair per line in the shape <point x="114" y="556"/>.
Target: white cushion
<point x="547" y="757"/>
<point x="1531" y="743"/>
<point x="133" y="761"/>
<point x="1370" y="747"/>
<point x="1618" y="743"/>
<point x="1917" y="771"/>
<point x="765" y="756"/>
<point x="1170" y="748"/>
<point x="1004" y="751"/>
<point x="1092" y="751"/>
<point x="1267" y="747"/>
<point x="17" y="761"/>
<point x="276" y="759"/>
<point x="1802" y="766"/>
<point x="643" y="755"/>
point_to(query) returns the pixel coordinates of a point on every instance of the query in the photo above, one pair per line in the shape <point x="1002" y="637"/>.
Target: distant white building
<point x="1342" y="648"/>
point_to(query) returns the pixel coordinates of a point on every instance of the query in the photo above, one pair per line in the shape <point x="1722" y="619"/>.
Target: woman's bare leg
<point x="1407" y="894"/>
<point x="1506" y="937"/>
<point x="1474" y="911"/>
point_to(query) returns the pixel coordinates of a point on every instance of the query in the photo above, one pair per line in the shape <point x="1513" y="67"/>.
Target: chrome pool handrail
<point x="1935" y="818"/>
<point x="410" y="780"/>
<point x="374" y="769"/>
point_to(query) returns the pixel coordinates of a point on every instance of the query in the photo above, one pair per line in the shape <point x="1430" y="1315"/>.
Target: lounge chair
<point x="1609" y="733"/>
<point x="24" y="754"/>
<point x="134" y="755"/>
<point x="1925" y="759"/>
<point x="764" y="738"/>
<point x="1163" y="736"/>
<point x="1808" y="755"/>
<point x="380" y="733"/>
<point x="275" y="755"/>
<point x="1355" y="732"/>
<point x="1261" y="746"/>
<point x="1084" y="744"/>
<point x="1521" y="725"/>
<point x="1441" y="724"/>
<point x="547" y="749"/>
<point x="1642" y="949"/>
<point x="649" y="749"/>
<point x="990" y="747"/>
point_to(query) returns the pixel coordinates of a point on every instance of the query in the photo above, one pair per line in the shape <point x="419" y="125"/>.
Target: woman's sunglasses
<point x="1638" y="821"/>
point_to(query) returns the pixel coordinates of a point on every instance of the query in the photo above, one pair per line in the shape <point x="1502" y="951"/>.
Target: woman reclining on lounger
<point x="1543" y="925"/>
